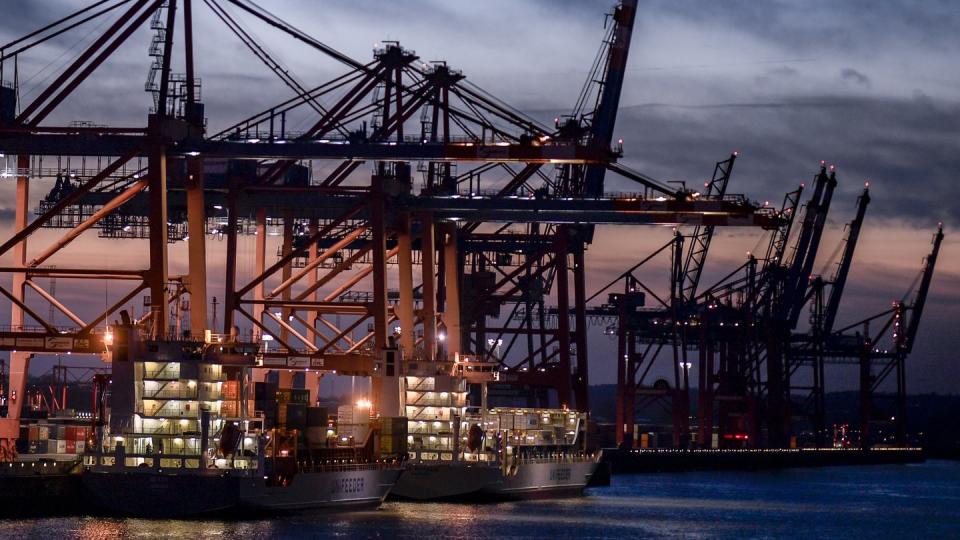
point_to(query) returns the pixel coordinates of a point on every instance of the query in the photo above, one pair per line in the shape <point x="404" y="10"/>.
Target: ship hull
<point x="331" y="491"/>
<point x="40" y="488"/>
<point x="153" y="494"/>
<point x="488" y="483"/>
<point x="448" y="481"/>
<point x="542" y="480"/>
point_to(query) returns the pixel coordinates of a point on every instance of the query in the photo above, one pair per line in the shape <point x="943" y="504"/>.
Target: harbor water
<point x="890" y="501"/>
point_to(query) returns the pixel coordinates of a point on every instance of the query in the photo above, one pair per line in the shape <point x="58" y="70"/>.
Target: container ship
<point x="464" y="451"/>
<point x="38" y="485"/>
<point x="44" y="478"/>
<point x="178" y="435"/>
<point x="180" y="428"/>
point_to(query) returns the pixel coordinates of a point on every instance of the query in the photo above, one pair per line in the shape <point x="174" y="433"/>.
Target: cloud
<point x="907" y="148"/>
<point x="784" y="71"/>
<point x="854" y="76"/>
<point x="776" y="76"/>
<point x="772" y="80"/>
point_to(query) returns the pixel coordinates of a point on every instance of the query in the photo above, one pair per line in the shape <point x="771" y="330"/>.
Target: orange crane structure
<point x="418" y="215"/>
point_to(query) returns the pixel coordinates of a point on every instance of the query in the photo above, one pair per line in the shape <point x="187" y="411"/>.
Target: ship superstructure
<point x="460" y="449"/>
<point x="167" y="407"/>
<point x="179" y="438"/>
<point x="435" y="404"/>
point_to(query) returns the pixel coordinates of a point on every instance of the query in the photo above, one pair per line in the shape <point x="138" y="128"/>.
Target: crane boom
<point x="806" y="226"/>
<point x="605" y="115"/>
<point x="790" y="270"/>
<point x="840" y="278"/>
<point x="776" y="248"/>
<point x="801" y="280"/>
<point x="921" y="298"/>
<point x="778" y="241"/>
<point x="703" y="234"/>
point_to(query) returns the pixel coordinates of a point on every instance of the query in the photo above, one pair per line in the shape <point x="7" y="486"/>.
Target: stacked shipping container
<point x="283" y="408"/>
<point x="54" y="438"/>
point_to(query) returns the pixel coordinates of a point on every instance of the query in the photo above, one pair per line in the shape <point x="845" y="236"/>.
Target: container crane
<point x="605" y="114"/>
<point x="904" y="344"/>
<point x="839" y="280"/>
<point x="802" y="278"/>
<point x="368" y="226"/>
<point x="920" y="300"/>
<point x="794" y="267"/>
<point x="809" y="347"/>
<point x="716" y="188"/>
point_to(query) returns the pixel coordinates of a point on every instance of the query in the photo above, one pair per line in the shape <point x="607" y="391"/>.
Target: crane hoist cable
<point x="504" y="110"/>
<point x="761" y="240"/>
<point x="913" y="285"/>
<point x="3" y="48"/>
<point x="594" y="75"/>
<point x="833" y="257"/>
<point x="57" y="64"/>
<point x="271" y="19"/>
<point x="261" y="52"/>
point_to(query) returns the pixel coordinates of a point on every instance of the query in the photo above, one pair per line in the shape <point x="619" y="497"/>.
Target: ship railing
<point x="172" y="428"/>
<point x="417" y="383"/>
<point x="423" y="416"/>
<point x="167" y="453"/>
<point x="428" y="429"/>
<point x="38" y="329"/>
<point x="479" y="457"/>
<point x="165" y="373"/>
<point x="213" y="395"/>
<point x="172" y="394"/>
<point x="420" y="386"/>
<point x="200" y="341"/>
<point x="565" y="457"/>
<point x="171" y="410"/>
<point x="332" y="466"/>
<point x="416" y="400"/>
<point x="424" y="399"/>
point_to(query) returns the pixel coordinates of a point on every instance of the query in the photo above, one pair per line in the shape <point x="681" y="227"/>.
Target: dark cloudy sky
<point x="869" y="86"/>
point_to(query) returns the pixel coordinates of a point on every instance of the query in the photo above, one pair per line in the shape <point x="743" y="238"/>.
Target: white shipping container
<point x="345" y="421"/>
<point x="352" y="422"/>
<point x="345" y="414"/>
<point x="81" y="446"/>
<point x="61" y="447"/>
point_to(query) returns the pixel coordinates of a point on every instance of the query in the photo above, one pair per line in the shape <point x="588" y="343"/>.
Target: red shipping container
<point x="230" y="389"/>
<point x="71" y="446"/>
<point x="82" y="433"/>
<point x="229" y="409"/>
<point x="71" y="433"/>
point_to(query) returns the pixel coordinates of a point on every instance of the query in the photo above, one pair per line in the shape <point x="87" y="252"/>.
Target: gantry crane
<point x="325" y="301"/>
<point x="495" y="236"/>
<point x="740" y="336"/>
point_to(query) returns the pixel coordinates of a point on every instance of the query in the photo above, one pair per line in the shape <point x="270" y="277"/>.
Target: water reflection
<point x="815" y="503"/>
<point x="97" y="529"/>
<point x="91" y="528"/>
